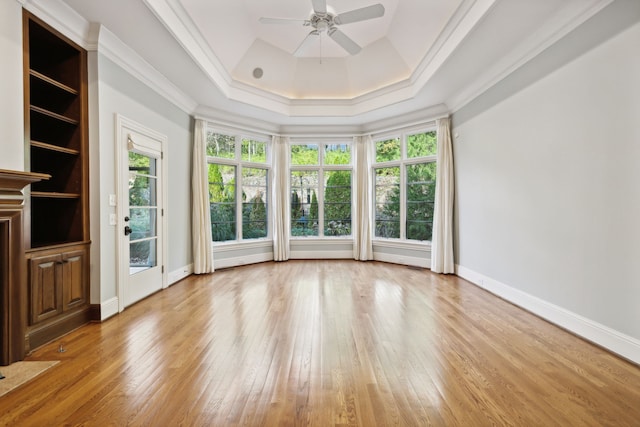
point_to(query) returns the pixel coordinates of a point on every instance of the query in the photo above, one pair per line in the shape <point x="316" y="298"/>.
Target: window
<point x="405" y="177"/>
<point x="320" y="182"/>
<point x="238" y="187"/>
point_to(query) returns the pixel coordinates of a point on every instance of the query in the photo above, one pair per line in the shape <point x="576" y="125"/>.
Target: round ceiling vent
<point x="257" y="72"/>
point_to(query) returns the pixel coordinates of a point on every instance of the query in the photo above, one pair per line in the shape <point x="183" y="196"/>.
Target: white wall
<point x="548" y="199"/>
<point x="11" y="87"/>
<point x="121" y="93"/>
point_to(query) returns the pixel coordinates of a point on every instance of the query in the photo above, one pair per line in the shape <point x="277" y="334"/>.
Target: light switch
<point x="112" y="199"/>
<point x="112" y="219"/>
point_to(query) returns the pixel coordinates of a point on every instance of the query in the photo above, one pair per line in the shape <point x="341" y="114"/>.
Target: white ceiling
<point x="421" y="55"/>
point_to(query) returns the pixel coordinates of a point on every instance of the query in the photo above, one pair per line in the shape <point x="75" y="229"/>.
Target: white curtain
<point x="200" y="211"/>
<point x="361" y="218"/>
<point x="280" y="198"/>
<point x="442" y="241"/>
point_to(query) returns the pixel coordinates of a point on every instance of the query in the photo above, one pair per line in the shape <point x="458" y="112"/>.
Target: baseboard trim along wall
<point x="108" y="308"/>
<point x="179" y="274"/>
<point x="402" y="259"/>
<point x="614" y="341"/>
<point x="241" y="260"/>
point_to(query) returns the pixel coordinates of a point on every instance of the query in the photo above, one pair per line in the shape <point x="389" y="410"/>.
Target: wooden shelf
<point x="53" y="115"/>
<point x="55" y="148"/>
<point x="54" y="195"/>
<point x="53" y="82"/>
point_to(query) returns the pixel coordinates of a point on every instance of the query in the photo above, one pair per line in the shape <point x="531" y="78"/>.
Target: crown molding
<point x="93" y="36"/>
<point x="553" y="30"/>
<point x="62" y="18"/>
<point x="126" y="58"/>
<point x="178" y="22"/>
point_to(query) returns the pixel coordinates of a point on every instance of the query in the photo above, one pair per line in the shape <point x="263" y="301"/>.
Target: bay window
<point x="238" y="186"/>
<point x="320" y="185"/>
<point x="405" y="174"/>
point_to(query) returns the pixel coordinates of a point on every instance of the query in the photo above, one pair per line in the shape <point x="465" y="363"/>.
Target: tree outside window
<point x="405" y="176"/>
<point x="320" y="183"/>
<point x="238" y="187"/>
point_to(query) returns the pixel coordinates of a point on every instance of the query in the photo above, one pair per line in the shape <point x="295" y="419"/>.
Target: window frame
<point x="240" y="164"/>
<point x="321" y="167"/>
<point x="402" y="163"/>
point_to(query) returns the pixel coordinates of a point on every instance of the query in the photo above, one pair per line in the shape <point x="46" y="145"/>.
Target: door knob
<point x="127" y="230"/>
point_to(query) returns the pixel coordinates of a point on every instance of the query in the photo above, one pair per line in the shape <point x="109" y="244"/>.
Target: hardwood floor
<point x="326" y="343"/>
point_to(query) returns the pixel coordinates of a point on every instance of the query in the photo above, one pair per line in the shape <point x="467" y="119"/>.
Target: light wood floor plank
<point x="325" y="343"/>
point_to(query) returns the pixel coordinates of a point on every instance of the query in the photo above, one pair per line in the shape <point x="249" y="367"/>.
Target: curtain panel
<point x="442" y="242"/>
<point x="362" y="244"/>
<point x="280" y="197"/>
<point x="200" y="212"/>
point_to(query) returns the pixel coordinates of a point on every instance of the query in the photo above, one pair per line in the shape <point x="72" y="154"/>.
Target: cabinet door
<point x="74" y="278"/>
<point x="46" y="287"/>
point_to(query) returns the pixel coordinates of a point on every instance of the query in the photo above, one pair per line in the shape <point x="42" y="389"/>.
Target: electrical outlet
<point x="112" y="219"/>
<point x="112" y="199"/>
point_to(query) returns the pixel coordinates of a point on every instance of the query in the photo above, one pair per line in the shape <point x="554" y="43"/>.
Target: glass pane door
<point x="143" y="212"/>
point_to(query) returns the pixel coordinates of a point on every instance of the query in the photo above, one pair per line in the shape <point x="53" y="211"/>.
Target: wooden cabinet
<point x="56" y="210"/>
<point x="58" y="282"/>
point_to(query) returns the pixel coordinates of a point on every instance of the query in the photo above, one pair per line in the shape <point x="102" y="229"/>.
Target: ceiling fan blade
<point x="369" y="12"/>
<point x="344" y="41"/>
<point x="308" y="41"/>
<point x="319" y="6"/>
<point x="283" y="21"/>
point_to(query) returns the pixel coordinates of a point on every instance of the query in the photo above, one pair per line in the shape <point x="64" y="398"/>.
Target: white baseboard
<point x="242" y="260"/>
<point x="108" y="308"/>
<point x="179" y="274"/>
<point x="404" y="260"/>
<point x="321" y="255"/>
<point x="617" y="342"/>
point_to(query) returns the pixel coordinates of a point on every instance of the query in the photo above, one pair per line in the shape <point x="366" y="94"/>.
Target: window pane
<point x="304" y="203"/>
<point x="422" y="144"/>
<point x="142" y="190"/>
<point x="337" y="203"/>
<point x="253" y="151"/>
<point x="141" y="164"/>
<point x="421" y="189"/>
<point x="388" y="150"/>
<point x="142" y="181"/>
<point x="337" y="154"/>
<point x="142" y="255"/>
<point x="143" y="223"/>
<point x="222" y="195"/>
<point x="304" y="154"/>
<point x="388" y="202"/>
<point x="254" y="203"/>
<point x="219" y="145"/>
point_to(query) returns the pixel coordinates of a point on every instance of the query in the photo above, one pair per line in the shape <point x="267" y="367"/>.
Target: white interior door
<point x="141" y="202"/>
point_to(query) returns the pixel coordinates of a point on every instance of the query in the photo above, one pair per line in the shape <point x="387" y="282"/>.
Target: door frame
<point x="122" y="261"/>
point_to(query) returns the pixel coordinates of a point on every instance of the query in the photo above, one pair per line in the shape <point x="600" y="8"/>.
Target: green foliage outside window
<point x="142" y="206"/>
<point x="254" y="211"/>
<point x="337" y="154"/>
<point x="337" y="203"/>
<point x="421" y="189"/>
<point x="387" y="187"/>
<point x="304" y="154"/>
<point x="253" y="151"/>
<point x="222" y="202"/>
<point x="388" y="150"/>
<point x="422" y="144"/>
<point x="220" y="145"/>
<point x="304" y="206"/>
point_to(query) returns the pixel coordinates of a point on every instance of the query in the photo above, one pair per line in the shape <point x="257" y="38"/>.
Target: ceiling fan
<point x="321" y="20"/>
